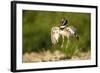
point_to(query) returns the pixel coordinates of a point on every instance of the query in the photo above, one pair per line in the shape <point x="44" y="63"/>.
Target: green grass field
<point x="37" y="26"/>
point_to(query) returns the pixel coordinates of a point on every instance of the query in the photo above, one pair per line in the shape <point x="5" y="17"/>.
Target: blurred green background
<point x="37" y="26"/>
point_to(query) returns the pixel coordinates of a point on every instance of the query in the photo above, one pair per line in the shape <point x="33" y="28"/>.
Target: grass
<point x="37" y="26"/>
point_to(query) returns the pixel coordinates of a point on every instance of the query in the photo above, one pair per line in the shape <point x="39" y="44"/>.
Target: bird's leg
<point x="62" y="41"/>
<point x="67" y="43"/>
